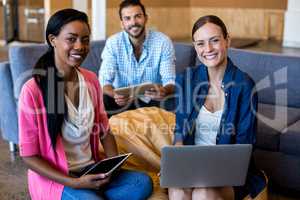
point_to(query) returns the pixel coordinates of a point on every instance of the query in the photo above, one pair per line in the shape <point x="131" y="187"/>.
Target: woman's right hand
<point x="42" y="167"/>
<point x="90" y="181"/>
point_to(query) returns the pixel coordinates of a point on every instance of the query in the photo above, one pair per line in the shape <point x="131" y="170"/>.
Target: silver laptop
<point x="204" y="166"/>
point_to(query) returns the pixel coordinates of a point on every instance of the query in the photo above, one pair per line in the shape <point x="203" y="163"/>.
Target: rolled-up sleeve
<point x="167" y="65"/>
<point x="108" y="66"/>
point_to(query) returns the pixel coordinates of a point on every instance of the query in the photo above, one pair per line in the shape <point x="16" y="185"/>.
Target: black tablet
<point x="108" y="165"/>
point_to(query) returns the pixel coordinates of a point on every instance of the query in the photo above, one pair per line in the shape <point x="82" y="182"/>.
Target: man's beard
<point x="138" y="35"/>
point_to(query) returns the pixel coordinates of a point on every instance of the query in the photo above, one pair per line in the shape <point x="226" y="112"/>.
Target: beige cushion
<point x="144" y="132"/>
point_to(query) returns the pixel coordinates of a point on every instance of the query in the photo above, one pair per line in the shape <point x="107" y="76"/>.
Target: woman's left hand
<point x="90" y="181"/>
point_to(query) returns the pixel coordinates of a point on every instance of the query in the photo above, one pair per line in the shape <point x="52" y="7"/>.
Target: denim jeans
<point x="127" y="185"/>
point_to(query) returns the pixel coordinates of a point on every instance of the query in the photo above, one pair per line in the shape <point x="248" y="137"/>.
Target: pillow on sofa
<point x="144" y="132"/>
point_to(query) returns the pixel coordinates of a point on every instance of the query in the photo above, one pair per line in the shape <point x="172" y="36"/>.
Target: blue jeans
<point x="129" y="185"/>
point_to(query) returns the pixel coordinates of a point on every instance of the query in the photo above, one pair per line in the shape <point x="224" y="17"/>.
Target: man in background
<point x="135" y="56"/>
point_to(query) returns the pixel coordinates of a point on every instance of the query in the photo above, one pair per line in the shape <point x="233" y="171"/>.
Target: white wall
<point x="294" y="5"/>
<point x="98" y="19"/>
<point x="81" y="5"/>
<point x="291" y="24"/>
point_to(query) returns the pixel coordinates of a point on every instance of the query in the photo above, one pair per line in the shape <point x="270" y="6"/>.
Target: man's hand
<point x="122" y="100"/>
<point x="156" y="93"/>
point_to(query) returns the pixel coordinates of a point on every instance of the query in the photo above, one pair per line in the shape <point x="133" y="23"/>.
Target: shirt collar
<point x="145" y="43"/>
<point x="228" y="75"/>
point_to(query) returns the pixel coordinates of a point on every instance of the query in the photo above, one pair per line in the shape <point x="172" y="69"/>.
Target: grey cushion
<point x="272" y="120"/>
<point x="23" y="58"/>
<point x="274" y="75"/>
<point x="185" y="56"/>
<point x="290" y="140"/>
<point x="93" y="59"/>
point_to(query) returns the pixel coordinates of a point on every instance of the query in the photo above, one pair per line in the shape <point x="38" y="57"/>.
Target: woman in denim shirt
<point x="216" y="104"/>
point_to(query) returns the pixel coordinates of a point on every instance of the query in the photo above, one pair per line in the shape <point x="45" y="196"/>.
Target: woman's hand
<point x="90" y="181"/>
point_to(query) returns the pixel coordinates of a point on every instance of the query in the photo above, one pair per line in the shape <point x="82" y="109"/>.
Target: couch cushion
<point x="185" y="56"/>
<point x="290" y="140"/>
<point x="275" y="75"/>
<point x="93" y="59"/>
<point x="272" y="120"/>
<point x="22" y="59"/>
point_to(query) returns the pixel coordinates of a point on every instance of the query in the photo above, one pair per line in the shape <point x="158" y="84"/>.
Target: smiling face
<point x="71" y="45"/>
<point x="133" y="21"/>
<point x="211" y="46"/>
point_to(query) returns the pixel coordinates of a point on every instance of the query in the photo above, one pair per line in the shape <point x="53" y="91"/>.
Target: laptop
<point x="204" y="166"/>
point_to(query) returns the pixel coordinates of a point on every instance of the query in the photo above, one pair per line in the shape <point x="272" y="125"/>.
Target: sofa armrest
<point x="8" y="112"/>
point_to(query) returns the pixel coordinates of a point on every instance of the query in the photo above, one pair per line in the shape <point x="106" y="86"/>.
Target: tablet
<point x="108" y="165"/>
<point x="136" y="90"/>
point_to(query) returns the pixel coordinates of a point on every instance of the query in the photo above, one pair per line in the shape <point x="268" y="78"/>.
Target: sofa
<point x="277" y="149"/>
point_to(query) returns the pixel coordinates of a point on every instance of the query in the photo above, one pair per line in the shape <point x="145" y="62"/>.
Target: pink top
<point x="35" y="140"/>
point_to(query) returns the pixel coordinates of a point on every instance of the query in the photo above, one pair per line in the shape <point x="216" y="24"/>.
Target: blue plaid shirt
<point x="120" y="68"/>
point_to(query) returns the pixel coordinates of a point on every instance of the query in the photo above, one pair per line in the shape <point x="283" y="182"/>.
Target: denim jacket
<point x="238" y="121"/>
